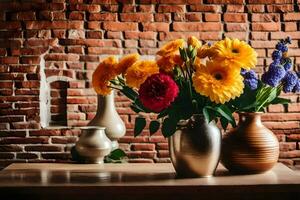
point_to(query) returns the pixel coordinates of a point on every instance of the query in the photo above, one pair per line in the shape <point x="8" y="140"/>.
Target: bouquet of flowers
<point x="186" y="78"/>
<point x="259" y="93"/>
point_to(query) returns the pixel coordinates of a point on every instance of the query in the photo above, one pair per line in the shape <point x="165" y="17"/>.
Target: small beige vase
<point x="93" y="144"/>
<point x="108" y="117"/>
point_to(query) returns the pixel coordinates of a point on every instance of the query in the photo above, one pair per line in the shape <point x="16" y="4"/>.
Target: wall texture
<point x="49" y="49"/>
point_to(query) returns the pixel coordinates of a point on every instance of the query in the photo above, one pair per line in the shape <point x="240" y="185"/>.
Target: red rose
<point x="158" y="92"/>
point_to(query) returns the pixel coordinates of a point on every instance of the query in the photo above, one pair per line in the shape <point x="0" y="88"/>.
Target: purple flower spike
<point x="289" y="82"/>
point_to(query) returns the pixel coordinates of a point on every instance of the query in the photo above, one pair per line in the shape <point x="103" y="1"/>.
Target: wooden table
<point x="141" y="181"/>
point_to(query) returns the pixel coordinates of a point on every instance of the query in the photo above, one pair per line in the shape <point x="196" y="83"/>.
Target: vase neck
<point x="105" y="103"/>
<point x="246" y="118"/>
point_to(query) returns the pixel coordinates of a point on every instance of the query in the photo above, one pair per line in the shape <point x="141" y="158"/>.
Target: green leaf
<point x="168" y="127"/>
<point x="117" y="154"/>
<point x="183" y="54"/>
<point x="279" y="100"/>
<point x="130" y="93"/>
<point x="224" y="123"/>
<point x="140" y="123"/>
<point x="154" y="126"/>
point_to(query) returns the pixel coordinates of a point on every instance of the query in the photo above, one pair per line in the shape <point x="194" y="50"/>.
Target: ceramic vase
<point x="93" y="144"/>
<point x="108" y="117"/>
<point x="251" y="147"/>
<point x="195" y="148"/>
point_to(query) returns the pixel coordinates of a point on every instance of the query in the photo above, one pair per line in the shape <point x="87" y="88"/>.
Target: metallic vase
<point x="195" y="148"/>
<point x="108" y="117"/>
<point x="93" y="144"/>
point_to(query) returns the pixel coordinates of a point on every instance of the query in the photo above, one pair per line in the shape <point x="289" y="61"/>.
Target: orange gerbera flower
<point x="126" y="62"/>
<point x="170" y="47"/>
<point x="103" y="74"/>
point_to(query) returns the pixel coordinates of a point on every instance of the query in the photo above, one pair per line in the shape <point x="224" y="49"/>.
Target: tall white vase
<point x="108" y="117"/>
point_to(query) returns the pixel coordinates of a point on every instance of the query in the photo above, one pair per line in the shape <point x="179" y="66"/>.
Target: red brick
<point x="140" y="35"/>
<point x="256" y="8"/>
<point x="136" y="17"/>
<point x="6" y="155"/>
<point x="259" y="36"/>
<point x="10" y="148"/>
<point x="130" y="43"/>
<point x="44" y="148"/>
<point x="76" y="15"/>
<point x="191" y="26"/>
<point x="143" y="147"/>
<point x="10" y="43"/>
<point x="63" y="140"/>
<point x="266" y="26"/>
<point x="30" y="60"/>
<point x="96" y="35"/>
<point x="128" y="8"/>
<point x="155" y="26"/>
<point x="27" y="156"/>
<point x="103" y="16"/>
<point x="274" y="17"/>
<point x="212" y="17"/>
<point x="147" y="43"/>
<point x="24" y="16"/>
<point x="280" y="35"/>
<point x="282" y="125"/>
<point x="235" y="8"/>
<point x="86" y="7"/>
<point x="235" y="17"/>
<point x="10" y="25"/>
<point x="171" y="8"/>
<point x="291" y="17"/>
<point x="290" y="26"/>
<point x="287" y="146"/>
<point x="162" y="17"/>
<point x="28" y="140"/>
<point x="145" y="8"/>
<point x="9" y="60"/>
<point x="232" y="27"/>
<point x="41" y="42"/>
<point x="54" y="25"/>
<point x="120" y="26"/>
<point x="290" y="154"/>
<point x="238" y="35"/>
<point x="205" y="8"/>
<point x="225" y="1"/>
<point x="280" y="8"/>
<point x="173" y="1"/>
<point x="57" y="156"/>
<point x="63" y="57"/>
<point x="294" y="107"/>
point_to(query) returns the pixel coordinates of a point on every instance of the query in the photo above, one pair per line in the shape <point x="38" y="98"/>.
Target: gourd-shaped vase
<point x="108" y="117"/>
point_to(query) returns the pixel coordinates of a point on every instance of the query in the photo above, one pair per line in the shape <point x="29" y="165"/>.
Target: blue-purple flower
<point x="288" y="64"/>
<point x="276" y="55"/>
<point x="274" y="76"/>
<point x="281" y="46"/>
<point x="250" y="79"/>
<point x="297" y="87"/>
<point x="289" y="82"/>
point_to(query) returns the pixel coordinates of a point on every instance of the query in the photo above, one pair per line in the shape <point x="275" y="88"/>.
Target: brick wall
<point x="55" y="45"/>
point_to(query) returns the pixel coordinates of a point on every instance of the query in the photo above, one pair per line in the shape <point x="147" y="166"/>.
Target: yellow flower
<point x="217" y="82"/>
<point x="103" y="74"/>
<point x="167" y="64"/>
<point x="194" y="42"/>
<point x="139" y="72"/>
<point x="170" y="47"/>
<point x="235" y="53"/>
<point x="205" y="51"/>
<point x="126" y="62"/>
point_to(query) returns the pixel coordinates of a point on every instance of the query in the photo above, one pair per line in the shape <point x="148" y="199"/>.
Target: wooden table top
<point x="140" y="181"/>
